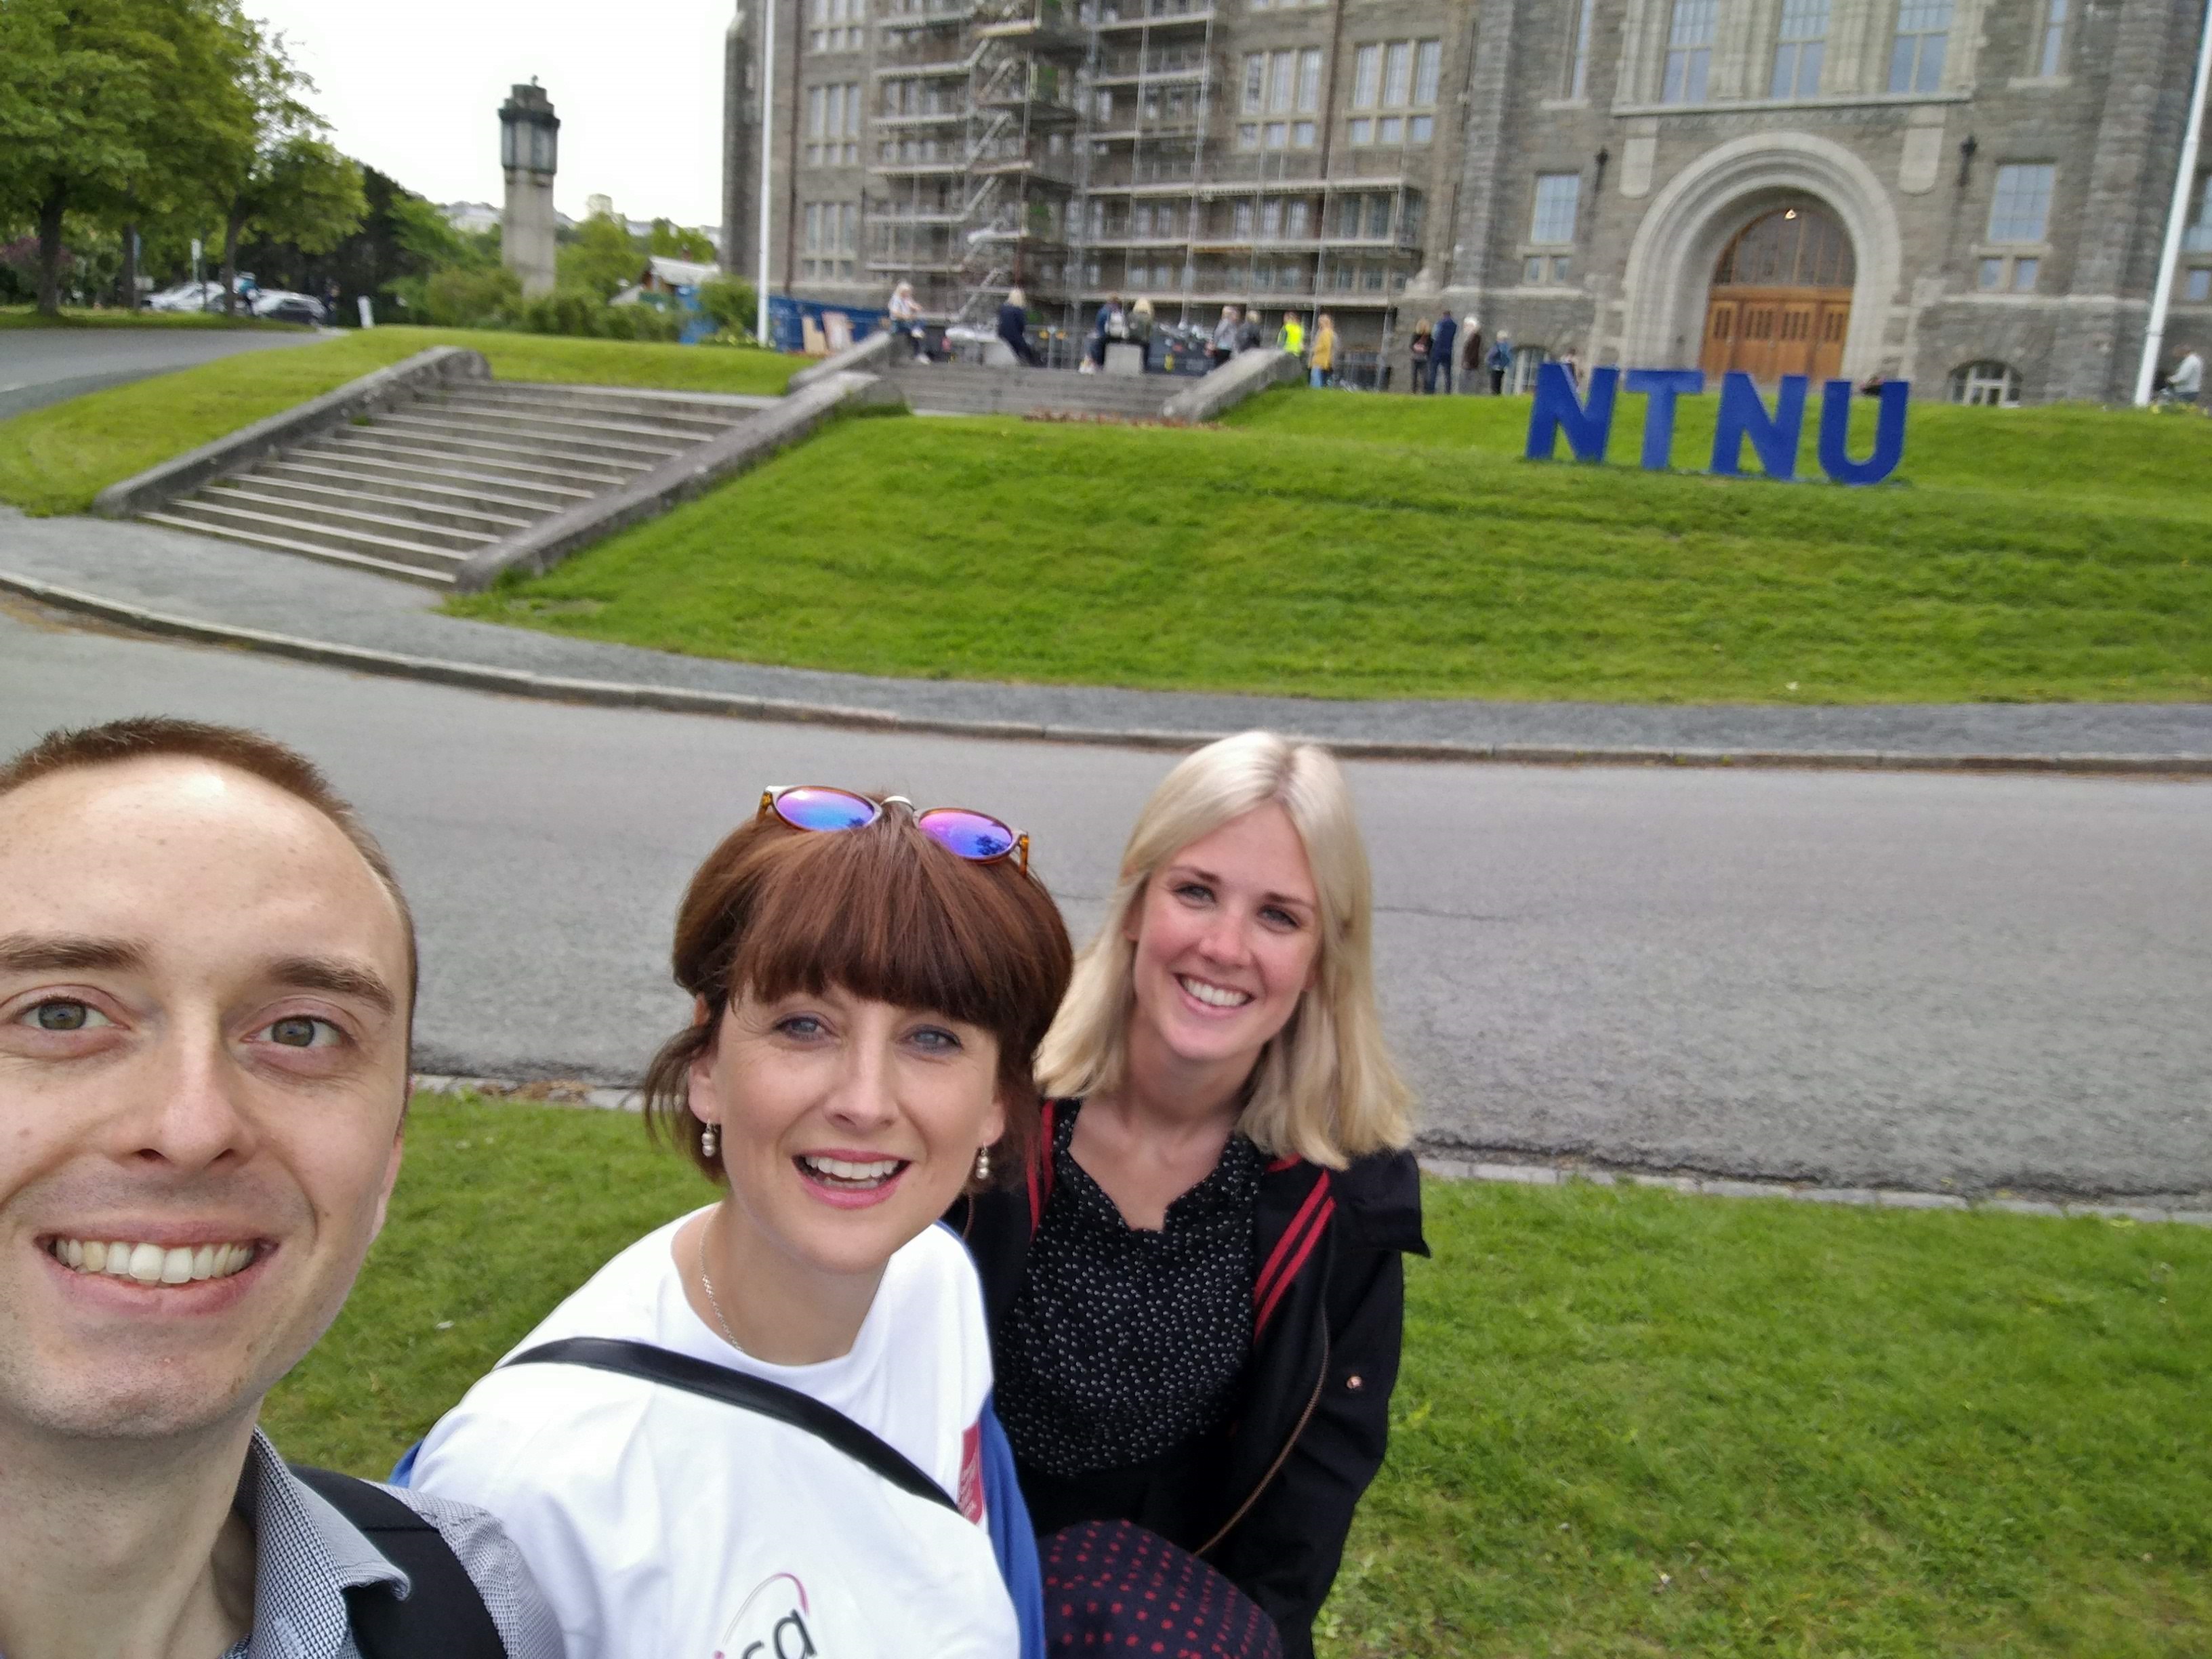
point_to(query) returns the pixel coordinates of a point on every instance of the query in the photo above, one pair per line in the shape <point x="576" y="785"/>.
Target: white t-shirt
<point x="662" y="1525"/>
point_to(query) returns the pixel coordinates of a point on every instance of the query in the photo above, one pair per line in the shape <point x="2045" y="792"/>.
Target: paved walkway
<point x="42" y="365"/>
<point x="208" y="582"/>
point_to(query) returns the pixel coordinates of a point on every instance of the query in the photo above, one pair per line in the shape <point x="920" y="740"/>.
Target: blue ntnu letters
<point x="1742" y="417"/>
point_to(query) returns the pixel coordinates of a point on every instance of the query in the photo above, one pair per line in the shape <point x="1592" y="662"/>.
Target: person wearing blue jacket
<point x="1440" y="352"/>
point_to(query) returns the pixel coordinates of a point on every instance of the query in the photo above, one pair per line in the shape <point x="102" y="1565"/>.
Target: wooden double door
<point x="1769" y="332"/>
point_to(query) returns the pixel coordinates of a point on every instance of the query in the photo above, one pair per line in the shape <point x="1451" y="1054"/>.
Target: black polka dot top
<point x="1123" y="1343"/>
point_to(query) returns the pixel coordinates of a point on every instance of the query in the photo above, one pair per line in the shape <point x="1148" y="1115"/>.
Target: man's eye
<point x="302" y="1032"/>
<point x="61" y="1015"/>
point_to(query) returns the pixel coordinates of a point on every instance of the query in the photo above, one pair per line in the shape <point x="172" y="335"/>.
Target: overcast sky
<point x="413" y="88"/>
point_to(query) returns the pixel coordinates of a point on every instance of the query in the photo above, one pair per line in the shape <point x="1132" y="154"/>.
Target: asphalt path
<point x="1937" y="982"/>
<point x="42" y="365"/>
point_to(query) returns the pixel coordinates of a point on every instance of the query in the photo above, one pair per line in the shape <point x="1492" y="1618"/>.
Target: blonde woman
<point x="1197" y="1293"/>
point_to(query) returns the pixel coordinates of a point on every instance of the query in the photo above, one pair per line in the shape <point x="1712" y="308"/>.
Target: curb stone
<point x="597" y="1098"/>
<point x="612" y="694"/>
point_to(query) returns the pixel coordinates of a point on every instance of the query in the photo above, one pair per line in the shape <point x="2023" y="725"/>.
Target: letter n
<point x="1774" y="437"/>
<point x="1589" y="428"/>
<point x="1888" y="433"/>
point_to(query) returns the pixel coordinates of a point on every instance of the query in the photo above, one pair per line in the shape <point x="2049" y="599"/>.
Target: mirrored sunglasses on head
<point x="976" y="837"/>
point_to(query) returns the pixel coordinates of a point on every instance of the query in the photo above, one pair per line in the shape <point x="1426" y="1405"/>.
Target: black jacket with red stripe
<point x="1328" y="1312"/>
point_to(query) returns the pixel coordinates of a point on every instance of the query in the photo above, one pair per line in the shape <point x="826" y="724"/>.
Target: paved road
<point x="41" y="366"/>
<point x="1863" y="979"/>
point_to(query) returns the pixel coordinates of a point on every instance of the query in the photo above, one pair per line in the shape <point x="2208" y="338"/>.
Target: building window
<point x="1294" y="220"/>
<point x="831" y="239"/>
<point x="2021" y="205"/>
<point x="1366" y="76"/>
<point x="833" y="125"/>
<point x="1578" y="49"/>
<point x="1689" y="52"/>
<point x="1558" y="194"/>
<point x="2199" y="286"/>
<point x="1310" y="80"/>
<point x="1256" y="81"/>
<point x="2197" y="238"/>
<point x="1396" y="75"/>
<point x="1916" y="58"/>
<point x="834" y="25"/>
<point x="1989" y="384"/>
<point x="1532" y="270"/>
<point x="2054" y="38"/>
<point x="1242" y="220"/>
<point x="1804" y="33"/>
<point x="1378" y="218"/>
<point x="2023" y="274"/>
<point x="1277" y="83"/>
<point x="1990" y="276"/>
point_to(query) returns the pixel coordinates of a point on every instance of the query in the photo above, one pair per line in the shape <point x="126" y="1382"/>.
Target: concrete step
<point x="560" y="420"/>
<point x="251" y="536"/>
<point x="422" y="483"/>
<point x="585" y="478"/>
<point x="622" y="400"/>
<point x="460" y="436"/>
<point x="458" y="511"/>
<point x="964" y="388"/>
<point x="378" y="531"/>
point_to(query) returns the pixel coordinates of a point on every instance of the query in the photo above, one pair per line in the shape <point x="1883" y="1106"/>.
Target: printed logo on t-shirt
<point x="770" y="1622"/>
<point x="971" y="1473"/>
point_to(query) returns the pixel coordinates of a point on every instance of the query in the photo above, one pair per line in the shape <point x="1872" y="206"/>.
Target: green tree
<point x="731" y="303"/>
<point x="604" y="260"/>
<point x="100" y="102"/>
<point x="279" y="176"/>
<point x="673" y="241"/>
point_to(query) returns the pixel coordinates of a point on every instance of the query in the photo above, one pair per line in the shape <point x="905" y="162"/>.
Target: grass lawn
<point x="1334" y="544"/>
<point x="72" y="317"/>
<point x="1630" y="1423"/>
<point x="55" y="459"/>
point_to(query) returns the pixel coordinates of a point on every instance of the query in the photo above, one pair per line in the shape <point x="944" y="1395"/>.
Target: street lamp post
<point x="767" y="149"/>
<point x="528" y="152"/>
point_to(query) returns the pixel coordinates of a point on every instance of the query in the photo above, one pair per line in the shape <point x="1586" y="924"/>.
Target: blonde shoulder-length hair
<point x="1325" y="1088"/>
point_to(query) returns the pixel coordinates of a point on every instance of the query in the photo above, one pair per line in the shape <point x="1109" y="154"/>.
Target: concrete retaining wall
<point x="372" y="394"/>
<point x="794" y="417"/>
<point x="1246" y="373"/>
<point x="866" y="356"/>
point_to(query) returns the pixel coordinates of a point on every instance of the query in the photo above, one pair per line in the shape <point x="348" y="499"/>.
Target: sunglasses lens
<point x="815" y="808"/>
<point x="971" y="835"/>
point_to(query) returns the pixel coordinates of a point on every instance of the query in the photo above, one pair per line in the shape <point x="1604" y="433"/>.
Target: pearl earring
<point x="709" y="1142"/>
<point x="982" y="1164"/>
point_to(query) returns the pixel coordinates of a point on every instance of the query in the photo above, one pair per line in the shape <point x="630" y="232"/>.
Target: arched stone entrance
<point x="1696" y="216"/>
<point x="1781" y="299"/>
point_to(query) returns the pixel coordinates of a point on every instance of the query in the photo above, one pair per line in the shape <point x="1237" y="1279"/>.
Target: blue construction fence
<point x="818" y="330"/>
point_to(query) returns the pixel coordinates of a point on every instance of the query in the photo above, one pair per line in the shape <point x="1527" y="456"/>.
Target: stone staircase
<point x="968" y="389"/>
<point x="414" y="492"/>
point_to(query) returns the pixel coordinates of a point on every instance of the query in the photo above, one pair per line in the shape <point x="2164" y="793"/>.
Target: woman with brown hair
<point x="765" y="1427"/>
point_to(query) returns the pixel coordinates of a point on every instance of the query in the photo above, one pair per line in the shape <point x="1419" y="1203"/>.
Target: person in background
<point x="868" y="986"/>
<point x="1574" y="368"/>
<point x="1419" y="348"/>
<point x="1014" y="328"/>
<point x="1140" y="328"/>
<point x="1470" y="350"/>
<point x="1291" y="337"/>
<point x="207" y="978"/>
<point x="1225" y="336"/>
<point x="1247" y="331"/>
<point x="1322" y="369"/>
<point x="1499" y="361"/>
<point x="1440" y="352"/>
<point x="1111" y="325"/>
<point x="906" y="319"/>
<point x="1196" y="1295"/>
<point x="2186" y="383"/>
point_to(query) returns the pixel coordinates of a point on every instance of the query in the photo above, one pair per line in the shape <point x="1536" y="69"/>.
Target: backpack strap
<point x="752" y="1393"/>
<point x="443" y="1616"/>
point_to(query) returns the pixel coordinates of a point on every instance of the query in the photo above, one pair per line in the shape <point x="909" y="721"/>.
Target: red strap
<point x="1040" y="1172"/>
<point x="1287" y="1243"/>
<point x="1296" y="1265"/>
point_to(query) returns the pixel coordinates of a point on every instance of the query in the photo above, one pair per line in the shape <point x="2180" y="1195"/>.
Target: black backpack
<point x="444" y="1618"/>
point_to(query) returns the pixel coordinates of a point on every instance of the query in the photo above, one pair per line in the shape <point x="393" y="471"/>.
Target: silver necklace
<point x="706" y="1281"/>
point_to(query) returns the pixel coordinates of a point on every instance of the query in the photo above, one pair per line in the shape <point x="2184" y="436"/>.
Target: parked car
<point x="186" y="296"/>
<point x="278" y="305"/>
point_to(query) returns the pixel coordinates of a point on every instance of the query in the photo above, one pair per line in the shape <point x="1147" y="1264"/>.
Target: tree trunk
<point x="50" y="250"/>
<point x="130" y="265"/>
